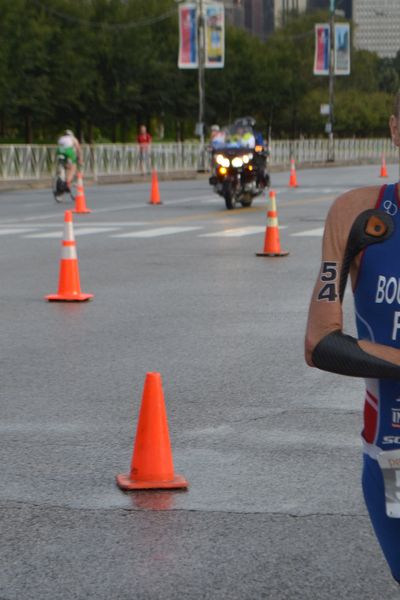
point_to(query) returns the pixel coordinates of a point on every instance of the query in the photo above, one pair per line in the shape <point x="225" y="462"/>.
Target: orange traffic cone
<point x="155" y="192"/>
<point x="69" y="289"/>
<point x="293" y="176"/>
<point x="152" y="465"/>
<point x="80" y="200"/>
<point x="272" y="245"/>
<point x="384" y="172"/>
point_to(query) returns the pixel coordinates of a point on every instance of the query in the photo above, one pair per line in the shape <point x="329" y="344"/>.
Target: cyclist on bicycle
<point x="69" y="148"/>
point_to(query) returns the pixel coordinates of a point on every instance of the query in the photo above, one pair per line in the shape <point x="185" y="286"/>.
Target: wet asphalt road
<point x="270" y="447"/>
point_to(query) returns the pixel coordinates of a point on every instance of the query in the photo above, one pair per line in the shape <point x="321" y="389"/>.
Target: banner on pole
<point x="322" y="49"/>
<point x="214" y="36"/>
<point x="342" y="49"/>
<point x="188" y="51"/>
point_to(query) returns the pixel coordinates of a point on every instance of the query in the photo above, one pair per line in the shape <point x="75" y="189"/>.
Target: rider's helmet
<point x="245" y="122"/>
<point x="69" y="132"/>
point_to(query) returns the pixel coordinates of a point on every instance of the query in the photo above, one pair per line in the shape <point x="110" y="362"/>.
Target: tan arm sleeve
<point x="325" y="312"/>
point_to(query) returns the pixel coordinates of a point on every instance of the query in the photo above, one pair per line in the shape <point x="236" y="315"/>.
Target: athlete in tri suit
<point x="362" y="238"/>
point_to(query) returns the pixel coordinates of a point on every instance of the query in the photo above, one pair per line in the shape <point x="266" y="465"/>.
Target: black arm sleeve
<point x="340" y="353"/>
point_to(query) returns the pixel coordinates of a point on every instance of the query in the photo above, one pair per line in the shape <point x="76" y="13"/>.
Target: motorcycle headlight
<point x="220" y="159"/>
<point x="237" y="162"/>
<point x="247" y="158"/>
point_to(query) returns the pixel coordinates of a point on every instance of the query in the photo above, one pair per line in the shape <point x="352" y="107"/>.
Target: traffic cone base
<point x="69" y="297"/>
<point x="152" y="465"/>
<point x="82" y="211"/>
<point x="125" y="482"/>
<point x="272" y="253"/>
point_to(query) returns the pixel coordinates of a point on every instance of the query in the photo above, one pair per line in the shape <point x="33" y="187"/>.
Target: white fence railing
<point x="20" y="162"/>
<point x="318" y="150"/>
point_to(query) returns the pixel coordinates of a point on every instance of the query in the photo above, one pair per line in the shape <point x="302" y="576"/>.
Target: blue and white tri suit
<point x="377" y="305"/>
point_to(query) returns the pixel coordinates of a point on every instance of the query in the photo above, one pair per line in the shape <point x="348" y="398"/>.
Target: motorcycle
<point x="239" y="174"/>
<point x="60" y="187"/>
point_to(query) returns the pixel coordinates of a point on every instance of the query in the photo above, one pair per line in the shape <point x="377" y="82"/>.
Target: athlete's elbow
<point x="309" y="346"/>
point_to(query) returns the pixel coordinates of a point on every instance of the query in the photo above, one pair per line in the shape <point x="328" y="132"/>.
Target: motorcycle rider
<point x="251" y="139"/>
<point x="69" y="148"/>
<point x="217" y="137"/>
<point x="248" y="140"/>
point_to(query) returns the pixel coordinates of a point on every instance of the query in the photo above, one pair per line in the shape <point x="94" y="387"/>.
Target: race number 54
<point x="329" y="279"/>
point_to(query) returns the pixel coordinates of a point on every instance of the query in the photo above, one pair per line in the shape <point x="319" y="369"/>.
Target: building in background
<point x="377" y="26"/>
<point x="343" y="5"/>
<point x="234" y="12"/>
<point x="262" y="17"/>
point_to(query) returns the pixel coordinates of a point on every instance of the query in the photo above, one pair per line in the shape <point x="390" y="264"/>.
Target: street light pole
<point x="201" y="79"/>
<point x="331" y="147"/>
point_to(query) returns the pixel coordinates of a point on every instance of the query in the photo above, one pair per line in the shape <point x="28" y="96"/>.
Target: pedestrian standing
<point x="144" y="140"/>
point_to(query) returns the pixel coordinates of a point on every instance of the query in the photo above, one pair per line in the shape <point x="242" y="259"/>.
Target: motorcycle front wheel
<point x="229" y="195"/>
<point x="247" y="200"/>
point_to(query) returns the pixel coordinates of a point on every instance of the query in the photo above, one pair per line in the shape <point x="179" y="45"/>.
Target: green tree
<point x="28" y="33"/>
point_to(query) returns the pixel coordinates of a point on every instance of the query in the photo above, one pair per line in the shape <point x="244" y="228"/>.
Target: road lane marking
<point x="78" y="230"/>
<point x="157" y="232"/>
<point x="89" y="230"/>
<point x="47" y="234"/>
<point x="309" y="233"/>
<point x="238" y="231"/>
<point x="78" y="224"/>
<point x="16" y="230"/>
<point x="46" y="216"/>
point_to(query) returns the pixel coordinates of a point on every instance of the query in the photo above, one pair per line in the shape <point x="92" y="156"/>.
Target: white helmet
<point x="69" y="132"/>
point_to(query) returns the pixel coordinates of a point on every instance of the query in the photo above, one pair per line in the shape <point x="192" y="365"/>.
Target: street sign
<point x="199" y="129"/>
<point x="324" y="109"/>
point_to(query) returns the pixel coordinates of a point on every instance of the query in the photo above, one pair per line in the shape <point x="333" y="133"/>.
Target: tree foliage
<point x="101" y="67"/>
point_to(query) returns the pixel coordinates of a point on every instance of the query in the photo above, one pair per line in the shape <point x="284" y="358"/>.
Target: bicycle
<point x="60" y="188"/>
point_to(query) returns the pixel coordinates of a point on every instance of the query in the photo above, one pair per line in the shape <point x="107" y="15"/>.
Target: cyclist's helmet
<point x="69" y="132"/>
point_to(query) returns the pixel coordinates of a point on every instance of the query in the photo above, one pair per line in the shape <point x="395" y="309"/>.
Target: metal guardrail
<point x="20" y="162"/>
